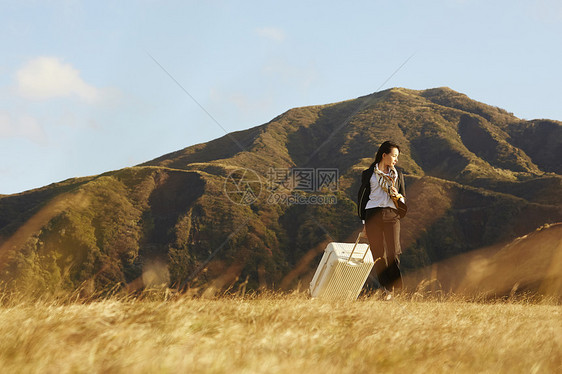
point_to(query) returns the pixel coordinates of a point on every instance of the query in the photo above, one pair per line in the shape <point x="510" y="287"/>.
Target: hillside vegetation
<point x="476" y="177"/>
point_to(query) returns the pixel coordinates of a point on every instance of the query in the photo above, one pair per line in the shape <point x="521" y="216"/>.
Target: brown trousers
<point x="383" y="227"/>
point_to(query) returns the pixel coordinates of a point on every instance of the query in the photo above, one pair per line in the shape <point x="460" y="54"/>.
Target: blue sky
<point x="80" y="93"/>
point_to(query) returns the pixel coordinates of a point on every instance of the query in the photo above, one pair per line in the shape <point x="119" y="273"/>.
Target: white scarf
<point x="387" y="181"/>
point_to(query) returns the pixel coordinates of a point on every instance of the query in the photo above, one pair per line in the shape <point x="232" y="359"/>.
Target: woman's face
<point x="390" y="158"/>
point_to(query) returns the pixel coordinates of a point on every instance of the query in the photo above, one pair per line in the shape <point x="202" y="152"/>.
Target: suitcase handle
<point x="353" y="250"/>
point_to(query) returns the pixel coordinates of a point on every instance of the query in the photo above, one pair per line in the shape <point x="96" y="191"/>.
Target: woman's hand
<point x="363" y="233"/>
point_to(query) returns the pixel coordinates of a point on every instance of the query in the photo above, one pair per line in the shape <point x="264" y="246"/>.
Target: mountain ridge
<point x="475" y="175"/>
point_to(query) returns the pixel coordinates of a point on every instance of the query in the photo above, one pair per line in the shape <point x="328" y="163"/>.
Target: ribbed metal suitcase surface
<point x="342" y="272"/>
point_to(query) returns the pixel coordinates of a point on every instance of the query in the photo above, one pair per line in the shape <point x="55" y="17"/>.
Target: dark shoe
<point x="390" y="277"/>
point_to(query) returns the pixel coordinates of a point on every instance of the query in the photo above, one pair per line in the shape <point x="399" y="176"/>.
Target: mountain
<point x="215" y="215"/>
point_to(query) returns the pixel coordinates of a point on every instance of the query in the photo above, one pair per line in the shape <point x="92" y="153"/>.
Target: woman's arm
<point x="402" y="187"/>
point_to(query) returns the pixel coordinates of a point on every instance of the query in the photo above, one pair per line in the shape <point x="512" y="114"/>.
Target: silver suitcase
<point x="342" y="272"/>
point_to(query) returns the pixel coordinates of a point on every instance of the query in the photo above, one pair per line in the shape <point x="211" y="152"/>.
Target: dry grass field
<point x="279" y="334"/>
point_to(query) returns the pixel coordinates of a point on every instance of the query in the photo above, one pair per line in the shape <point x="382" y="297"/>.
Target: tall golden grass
<point x="279" y="333"/>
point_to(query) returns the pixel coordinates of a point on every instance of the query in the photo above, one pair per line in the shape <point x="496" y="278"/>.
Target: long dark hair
<point x="385" y="147"/>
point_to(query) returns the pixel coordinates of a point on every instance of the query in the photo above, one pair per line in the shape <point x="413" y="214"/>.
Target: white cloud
<point x="249" y="109"/>
<point x="547" y="10"/>
<point x="48" y="77"/>
<point x="298" y="76"/>
<point x="247" y="105"/>
<point x="271" y="33"/>
<point x="23" y="126"/>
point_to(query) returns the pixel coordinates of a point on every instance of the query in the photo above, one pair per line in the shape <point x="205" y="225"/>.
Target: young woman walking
<point x="381" y="202"/>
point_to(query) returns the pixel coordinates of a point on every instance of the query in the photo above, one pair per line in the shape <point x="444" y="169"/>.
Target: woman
<point x="382" y="191"/>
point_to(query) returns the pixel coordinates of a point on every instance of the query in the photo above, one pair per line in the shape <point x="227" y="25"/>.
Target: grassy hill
<point x="476" y="176"/>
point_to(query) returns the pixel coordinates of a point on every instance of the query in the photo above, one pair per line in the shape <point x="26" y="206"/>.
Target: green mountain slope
<point x="476" y="175"/>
